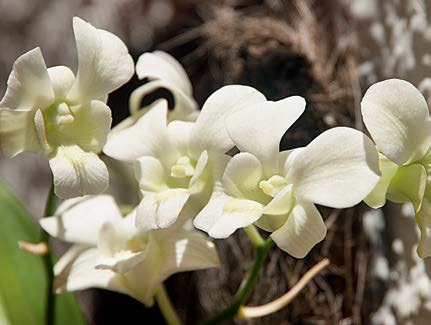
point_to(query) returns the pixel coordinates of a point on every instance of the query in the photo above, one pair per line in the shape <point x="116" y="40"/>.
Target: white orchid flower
<point x="63" y="116"/>
<point x="110" y="252"/>
<point x="161" y="71"/>
<point x="178" y="163"/>
<point x="396" y="115"/>
<point x="278" y="191"/>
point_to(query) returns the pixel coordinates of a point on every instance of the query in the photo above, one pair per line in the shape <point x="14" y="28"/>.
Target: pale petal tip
<point x="77" y="20"/>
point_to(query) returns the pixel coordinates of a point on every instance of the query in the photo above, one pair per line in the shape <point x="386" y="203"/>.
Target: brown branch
<point x="284" y="300"/>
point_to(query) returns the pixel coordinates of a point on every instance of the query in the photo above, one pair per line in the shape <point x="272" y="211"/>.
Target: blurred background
<point x="328" y="51"/>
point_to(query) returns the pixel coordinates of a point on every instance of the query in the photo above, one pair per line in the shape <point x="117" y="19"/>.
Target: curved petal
<point x="142" y="287"/>
<point x="113" y="241"/>
<point x="147" y="136"/>
<point x="396" y="115"/>
<point x="408" y="185"/>
<point x="80" y="220"/>
<point x="185" y="107"/>
<point x="377" y="197"/>
<point x="17" y="132"/>
<point x="337" y="169"/>
<point x="39" y="123"/>
<point x="76" y="270"/>
<point x="199" y="171"/>
<point x="62" y="79"/>
<point x="223" y="215"/>
<point x="186" y="251"/>
<point x="29" y="86"/>
<point x="77" y="173"/>
<point x="161" y="210"/>
<point x="161" y="65"/>
<point x="242" y="176"/>
<point x="303" y="229"/>
<point x="90" y="128"/>
<point x="271" y="222"/>
<point x="282" y="203"/>
<point x="258" y="129"/>
<point x="150" y="174"/>
<point x="104" y="63"/>
<point x="277" y="210"/>
<point x="210" y="125"/>
<point x="180" y="134"/>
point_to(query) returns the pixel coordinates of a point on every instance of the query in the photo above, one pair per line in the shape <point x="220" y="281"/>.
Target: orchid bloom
<point x="161" y="70"/>
<point x="396" y="115"/>
<point x="178" y="163"/>
<point x="278" y="191"/>
<point x="109" y="252"/>
<point x="49" y="110"/>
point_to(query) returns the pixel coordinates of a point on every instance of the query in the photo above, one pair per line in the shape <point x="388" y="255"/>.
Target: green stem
<point x="47" y="259"/>
<point x="244" y="292"/>
<point x="167" y="309"/>
<point x="254" y="236"/>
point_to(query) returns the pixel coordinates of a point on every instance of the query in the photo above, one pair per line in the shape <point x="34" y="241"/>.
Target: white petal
<point x="185" y="107"/>
<point x="80" y="220"/>
<point x="186" y="251"/>
<point x="161" y="210"/>
<point x="180" y="134"/>
<point x="396" y="115"/>
<point x="113" y="244"/>
<point x="258" y="129"/>
<point x="210" y="125"/>
<point x="224" y="214"/>
<point x="29" y="86"/>
<point x="303" y="229"/>
<point x="104" y="63"/>
<point x="199" y="170"/>
<point x="39" y="123"/>
<point x="62" y="79"/>
<point x="147" y="136"/>
<point x="78" y="173"/>
<point x="78" y="272"/>
<point x="282" y="203"/>
<point x="337" y="169"/>
<point x="277" y="210"/>
<point x="150" y="174"/>
<point x="17" y="132"/>
<point x="90" y="128"/>
<point x="242" y="176"/>
<point x="145" y="278"/>
<point x="161" y="65"/>
<point x="377" y="197"/>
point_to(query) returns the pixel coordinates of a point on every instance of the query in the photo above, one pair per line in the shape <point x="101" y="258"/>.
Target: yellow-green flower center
<point x="273" y="185"/>
<point x="183" y="167"/>
<point x="58" y="114"/>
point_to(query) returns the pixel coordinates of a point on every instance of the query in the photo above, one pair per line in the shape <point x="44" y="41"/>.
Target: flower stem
<point x="244" y="292"/>
<point x="253" y="235"/>
<point x="47" y="258"/>
<point x="167" y="309"/>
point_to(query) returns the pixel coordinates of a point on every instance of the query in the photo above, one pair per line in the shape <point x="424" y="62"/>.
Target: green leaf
<point x="23" y="276"/>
